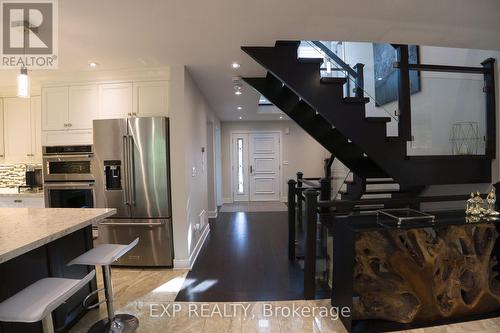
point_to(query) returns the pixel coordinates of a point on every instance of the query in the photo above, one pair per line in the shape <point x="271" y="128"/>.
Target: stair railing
<point x="354" y="76"/>
<point x="404" y="100"/>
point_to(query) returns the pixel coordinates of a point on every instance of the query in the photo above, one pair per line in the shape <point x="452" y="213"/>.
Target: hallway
<point x="244" y="259"/>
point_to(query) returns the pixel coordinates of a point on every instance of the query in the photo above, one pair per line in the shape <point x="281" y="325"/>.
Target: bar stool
<point x="37" y="301"/>
<point x="104" y="255"/>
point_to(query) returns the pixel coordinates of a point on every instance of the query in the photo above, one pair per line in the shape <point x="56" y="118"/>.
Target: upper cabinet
<point x="72" y="107"/>
<point x="68" y="112"/>
<point x="21" y="116"/>
<point x="55" y="104"/>
<point x="83" y="106"/>
<point x="150" y="98"/>
<point x="115" y="100"/>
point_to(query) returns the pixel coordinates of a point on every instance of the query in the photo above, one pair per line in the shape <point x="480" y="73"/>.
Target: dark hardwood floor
<point x="244" y="259"/>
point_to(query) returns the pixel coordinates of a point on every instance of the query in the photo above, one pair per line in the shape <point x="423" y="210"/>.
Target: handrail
<point x="335" y="58"/>
<point x="444" y="68"/>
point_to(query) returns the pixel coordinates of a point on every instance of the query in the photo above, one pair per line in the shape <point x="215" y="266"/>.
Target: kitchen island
<point x="38" y="242"/>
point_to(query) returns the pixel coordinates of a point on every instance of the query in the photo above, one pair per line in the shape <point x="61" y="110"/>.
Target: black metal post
<point x="300" y="175"/>
<point x="325" y="191"/>
<point x="489" y="89"/>
<point x="497" y="190"/>
<point x="291" y="219"/>
<point x="310" y="248"/>
<point x="404" y="101"/>
<point x="360" y="81"/>
<point x="328" y="166"/>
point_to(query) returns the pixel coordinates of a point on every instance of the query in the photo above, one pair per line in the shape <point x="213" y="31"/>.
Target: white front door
<point x="256" y="166"/>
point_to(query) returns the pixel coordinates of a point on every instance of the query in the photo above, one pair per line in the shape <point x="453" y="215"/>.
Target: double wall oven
<point x="69" y="180"/>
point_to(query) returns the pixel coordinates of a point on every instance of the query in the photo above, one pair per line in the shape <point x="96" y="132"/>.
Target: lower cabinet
<point x="21" y="201"/>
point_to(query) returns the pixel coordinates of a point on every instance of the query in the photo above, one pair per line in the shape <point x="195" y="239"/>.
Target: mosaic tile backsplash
<point x="13" y="175"/>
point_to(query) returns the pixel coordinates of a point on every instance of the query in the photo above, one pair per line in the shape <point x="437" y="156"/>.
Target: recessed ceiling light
<point x="237" y="92"/>
<point x="281" y="117"/>
<point x="241" y="118"/>
<point x="93" y="64"/>
<point x="239" y="107"/>
<point x="235" y="65"/>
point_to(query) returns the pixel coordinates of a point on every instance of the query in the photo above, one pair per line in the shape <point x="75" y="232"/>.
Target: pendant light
<point x="23" y="83"/>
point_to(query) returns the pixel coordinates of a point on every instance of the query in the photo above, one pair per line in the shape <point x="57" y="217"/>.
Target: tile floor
<point x="254" y="206"/>
<point x="147" y="293"/>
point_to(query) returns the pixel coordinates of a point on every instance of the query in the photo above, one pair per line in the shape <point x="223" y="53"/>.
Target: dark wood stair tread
<point x="287" y="43"/>
<point x="333" y="80"/>
<point x="378" y="119"/>
<point x="310" y="60"/>
<point x="374" y="181"/>
<point x="377" y="191"/>
<point x="360" y="100"/>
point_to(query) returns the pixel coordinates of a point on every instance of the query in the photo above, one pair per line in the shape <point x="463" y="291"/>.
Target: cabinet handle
<point x="18" y="200"/>
<point x="69" y="125"/>
<point x="134" y="113"/>
<point x="129" y="114"/>
<point x="1" y="155"/>
<point x="65" y="125"/>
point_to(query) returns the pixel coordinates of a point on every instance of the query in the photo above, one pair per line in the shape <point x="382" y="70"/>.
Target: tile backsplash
<point x="14" y="175"/>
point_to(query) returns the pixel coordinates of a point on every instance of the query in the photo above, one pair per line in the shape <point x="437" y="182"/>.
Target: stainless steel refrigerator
<point x="133" y="176"/>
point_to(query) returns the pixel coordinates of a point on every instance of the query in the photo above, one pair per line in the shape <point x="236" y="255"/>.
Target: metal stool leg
<point x="115" y="323"/>
<point x="47" y="324"/>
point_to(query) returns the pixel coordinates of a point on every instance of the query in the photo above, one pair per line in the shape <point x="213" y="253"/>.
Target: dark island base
<point x="49" y="261"/>
<point x="378" y="326"/>
<point x="398" y="278"/>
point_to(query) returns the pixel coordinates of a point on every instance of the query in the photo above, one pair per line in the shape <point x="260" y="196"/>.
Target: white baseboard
<point x="227" y="200"/>
<point x="188" y="263"/>
<point x="212" y="214"/>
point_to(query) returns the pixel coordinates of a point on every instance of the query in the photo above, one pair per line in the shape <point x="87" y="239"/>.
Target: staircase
<point x="339" y="123"/>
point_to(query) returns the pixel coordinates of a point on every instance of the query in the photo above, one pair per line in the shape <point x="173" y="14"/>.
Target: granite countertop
<point x="14" y="193"/>
<point x="24" y="229"/>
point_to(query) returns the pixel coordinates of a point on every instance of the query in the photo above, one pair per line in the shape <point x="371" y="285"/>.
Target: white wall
<point x="300" y="152"/>
<point x="189" y="114"/>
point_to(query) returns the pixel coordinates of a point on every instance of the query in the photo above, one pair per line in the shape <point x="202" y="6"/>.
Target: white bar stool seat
<point x="37" y="301"/>
<point x="104" y="255"/>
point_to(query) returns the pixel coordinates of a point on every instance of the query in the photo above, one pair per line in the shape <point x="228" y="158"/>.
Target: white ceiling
<point x="206" y="35"/>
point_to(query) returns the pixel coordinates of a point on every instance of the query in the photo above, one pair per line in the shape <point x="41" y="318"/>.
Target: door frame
<point x="280" y="158"/>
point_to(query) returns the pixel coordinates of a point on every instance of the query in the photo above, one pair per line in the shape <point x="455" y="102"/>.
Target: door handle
<point x="131" y="169"/>
<point x="125" y="170"/>
<point x="251" y="170"/>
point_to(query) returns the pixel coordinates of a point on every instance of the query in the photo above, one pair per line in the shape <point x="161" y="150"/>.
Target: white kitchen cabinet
<point x="20" y="201"/>
<point x="150" y="98"/>
<point x="2" y="144"/>
<point x="36" y="128"/>
<point x="65" y="138"/>
<point x="55" y="105"/>
<point x="83" y="106"/>
<point x="69" y="108"/>
<point x="17" y="129"/>
<point x="116" y="100"/>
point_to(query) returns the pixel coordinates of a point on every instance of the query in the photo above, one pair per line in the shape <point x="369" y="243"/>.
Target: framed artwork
<point x="386" y="77"/>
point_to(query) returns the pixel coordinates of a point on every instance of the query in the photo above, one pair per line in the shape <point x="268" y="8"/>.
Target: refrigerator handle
<point x="131" y="169"/>
<point x="125" y="171"/>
